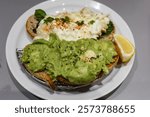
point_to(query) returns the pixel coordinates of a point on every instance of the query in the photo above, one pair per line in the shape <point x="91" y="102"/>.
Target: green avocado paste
<point x="78" y="61"/>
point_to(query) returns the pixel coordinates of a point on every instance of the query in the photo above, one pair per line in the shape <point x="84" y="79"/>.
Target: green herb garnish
<point x="48" y="20"/>
<point x="39" y="14"/>
<point x="91" y="22"/>
<point x="80" y="23"/>
<point x="66" y="19"/>
<point x="57" y="19"/>
<point x="109" y="29"/>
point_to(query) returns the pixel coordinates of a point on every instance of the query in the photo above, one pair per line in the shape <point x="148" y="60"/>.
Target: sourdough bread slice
<point x="31" y="26"/>
<point x="61" y="81"/>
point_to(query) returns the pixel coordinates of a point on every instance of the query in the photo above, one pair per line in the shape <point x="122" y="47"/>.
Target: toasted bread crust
<point x="112" y="65"/>
<point x="31" y="26"/>
<point x="45" y="77"/>
<point x="42" y="76"/>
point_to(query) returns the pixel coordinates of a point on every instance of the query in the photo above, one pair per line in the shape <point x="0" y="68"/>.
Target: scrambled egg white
<point x="72" y="26"/>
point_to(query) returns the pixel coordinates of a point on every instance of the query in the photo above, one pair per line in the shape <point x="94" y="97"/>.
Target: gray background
<point x="135" y="12"/>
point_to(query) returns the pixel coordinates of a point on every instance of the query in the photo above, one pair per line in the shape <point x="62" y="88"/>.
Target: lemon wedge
<point x="125" y="48"/>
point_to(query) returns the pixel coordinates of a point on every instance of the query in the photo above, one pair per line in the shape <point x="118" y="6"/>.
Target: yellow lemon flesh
<point x="125" y="48"/>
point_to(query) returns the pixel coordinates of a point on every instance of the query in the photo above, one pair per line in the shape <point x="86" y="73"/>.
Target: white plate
<point x="18" y="38"/>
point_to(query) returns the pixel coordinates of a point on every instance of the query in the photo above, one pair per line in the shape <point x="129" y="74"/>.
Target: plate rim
<point x="36" y="93"/>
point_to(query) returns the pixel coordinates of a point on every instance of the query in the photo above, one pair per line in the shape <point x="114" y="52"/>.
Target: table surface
<point x="135" y="12"/>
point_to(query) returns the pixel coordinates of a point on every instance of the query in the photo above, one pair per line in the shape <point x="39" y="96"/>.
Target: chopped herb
<point x="39" y="14"/>
<point x="109" y="29"/>
<point x="66" y="19"/>
<point x="91" y="22"/>
<point x="48" y="20"/>
<point x="57" y="19"/>
<point x="80" y="23"/>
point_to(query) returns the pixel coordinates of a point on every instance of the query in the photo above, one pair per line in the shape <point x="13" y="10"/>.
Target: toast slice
<point x="31" y="26"/>
<point x="61" y="81"/>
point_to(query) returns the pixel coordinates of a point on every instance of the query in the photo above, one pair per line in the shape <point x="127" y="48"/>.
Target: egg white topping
<point x="72" y="26"/>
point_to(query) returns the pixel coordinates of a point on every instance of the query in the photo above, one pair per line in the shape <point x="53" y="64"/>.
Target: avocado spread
<point x="78" y="61"/>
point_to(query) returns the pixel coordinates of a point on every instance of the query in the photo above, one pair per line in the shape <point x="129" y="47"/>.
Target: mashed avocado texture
<point x="78" y="61"/>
